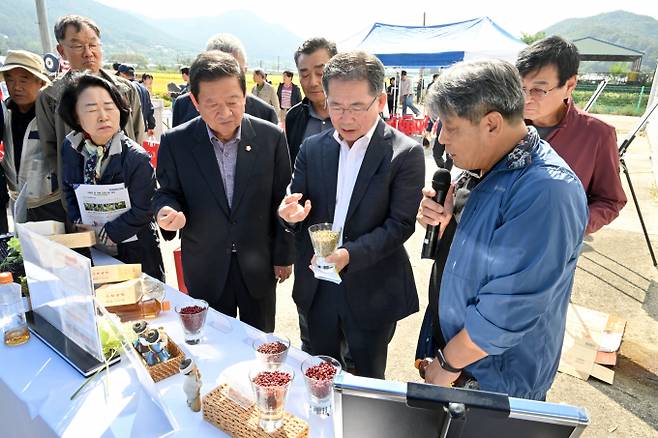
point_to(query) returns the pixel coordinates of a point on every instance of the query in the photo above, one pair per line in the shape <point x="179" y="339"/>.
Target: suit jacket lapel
<point x="329" y="172"/>
<point x="204" y="154"/>
<point x="248" y="154"/>
<point x="374" y="154"/>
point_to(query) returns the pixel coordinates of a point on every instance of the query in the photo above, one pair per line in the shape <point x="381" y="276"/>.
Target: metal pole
<point x="639" y="100"/>
<point x="422" y="73"/>
<point x="44" y="32"/>
<point x="639" y="213"/>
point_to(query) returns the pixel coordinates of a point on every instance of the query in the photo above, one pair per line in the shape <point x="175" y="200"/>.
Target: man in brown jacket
<point x="78" y="41"/>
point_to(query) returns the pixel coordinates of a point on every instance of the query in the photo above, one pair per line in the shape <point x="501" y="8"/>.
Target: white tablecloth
<point x="36" y="385"/>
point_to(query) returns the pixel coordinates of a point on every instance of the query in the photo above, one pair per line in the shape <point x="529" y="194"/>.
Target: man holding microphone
<point x="504" y="289"/>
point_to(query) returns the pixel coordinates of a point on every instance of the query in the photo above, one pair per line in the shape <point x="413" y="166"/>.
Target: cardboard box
<point x="85" y="239"/>
<point x="46" y="228"/>
<point x="115" y="273"/>
<point x="591" y="340"/>
<point x="119" y="294"/>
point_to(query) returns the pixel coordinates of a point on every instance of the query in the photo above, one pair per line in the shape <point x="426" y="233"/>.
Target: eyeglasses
<point x="354" y="110"/>
<point x="538" y="93"/>
<point x="80" y="48"/>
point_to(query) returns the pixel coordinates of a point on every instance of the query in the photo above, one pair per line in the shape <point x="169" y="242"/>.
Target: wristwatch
<point x="444" y="363"/>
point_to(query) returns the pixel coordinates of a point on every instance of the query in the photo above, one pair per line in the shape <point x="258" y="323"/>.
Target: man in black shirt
<point x="310" y="116"/>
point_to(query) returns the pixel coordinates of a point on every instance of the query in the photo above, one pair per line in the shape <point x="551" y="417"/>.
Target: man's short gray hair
<point x="77" y="21"/>
<point x="227" y="43"/>
<point x="472" y="89"/>
<point x="355" y="66"/>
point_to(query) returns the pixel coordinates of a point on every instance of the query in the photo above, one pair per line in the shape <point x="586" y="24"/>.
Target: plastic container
<point x="12" y="312"/>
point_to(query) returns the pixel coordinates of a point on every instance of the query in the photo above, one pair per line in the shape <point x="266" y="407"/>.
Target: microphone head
<point x="441" y="180"/>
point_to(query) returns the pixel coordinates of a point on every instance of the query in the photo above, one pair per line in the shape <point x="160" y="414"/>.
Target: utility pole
<point x="42" y="20"/>
<point x="422" y="71"/>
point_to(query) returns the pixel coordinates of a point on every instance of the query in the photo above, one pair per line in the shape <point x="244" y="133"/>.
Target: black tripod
<point x="622" y="150"/>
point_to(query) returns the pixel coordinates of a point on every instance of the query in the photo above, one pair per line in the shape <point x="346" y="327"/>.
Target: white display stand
<point x="61" y="289"/>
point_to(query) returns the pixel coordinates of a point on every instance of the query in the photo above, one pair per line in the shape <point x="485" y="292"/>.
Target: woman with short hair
<point x="98" y="152"/>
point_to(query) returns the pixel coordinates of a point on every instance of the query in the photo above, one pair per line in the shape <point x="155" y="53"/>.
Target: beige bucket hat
<point x="25" y="60"/>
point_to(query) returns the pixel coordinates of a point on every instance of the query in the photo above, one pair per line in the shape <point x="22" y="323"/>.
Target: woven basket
<point x="166" y="369"/>
<point x="233" y="419"/>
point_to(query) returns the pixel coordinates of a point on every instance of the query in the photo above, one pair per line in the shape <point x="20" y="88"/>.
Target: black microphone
<point x="441" y="185"/>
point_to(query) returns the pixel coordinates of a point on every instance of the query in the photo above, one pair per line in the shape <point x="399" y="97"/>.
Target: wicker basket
<point x="166" y="369"/>
<point x="233" y="419"/>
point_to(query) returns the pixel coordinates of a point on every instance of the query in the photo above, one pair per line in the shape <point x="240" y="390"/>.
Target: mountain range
<point x="269" y="45"/>
<point x="161" y="41"/>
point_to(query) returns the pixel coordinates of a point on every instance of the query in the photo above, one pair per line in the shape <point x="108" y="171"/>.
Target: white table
<point x="36" y="385"/>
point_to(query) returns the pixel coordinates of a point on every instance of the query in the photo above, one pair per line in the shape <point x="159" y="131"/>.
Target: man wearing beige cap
<point x="30" y="169"/>
<point x="78" y="41"/>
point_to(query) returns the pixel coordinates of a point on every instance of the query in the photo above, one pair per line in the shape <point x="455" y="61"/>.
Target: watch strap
<point x="444" y="363"/>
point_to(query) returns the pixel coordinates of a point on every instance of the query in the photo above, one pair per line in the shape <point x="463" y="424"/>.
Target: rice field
<point x="161" y="79"/>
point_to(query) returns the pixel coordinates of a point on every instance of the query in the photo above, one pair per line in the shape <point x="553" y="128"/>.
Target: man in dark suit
<point x="222" y="177"/>
<point x="365" y="178"/>
<point x="184" y="109"/>
<point x="310" y="116"/>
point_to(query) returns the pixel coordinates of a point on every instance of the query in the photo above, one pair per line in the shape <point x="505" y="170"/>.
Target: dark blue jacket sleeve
<point x="140" y="181"/>
<point x="170" y="192"/>
<point x="406" y="194"/>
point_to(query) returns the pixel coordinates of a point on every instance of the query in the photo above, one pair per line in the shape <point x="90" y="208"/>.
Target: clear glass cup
<point x="12" y="314"/>
<point x="193" y="319"/>
<point x="325" y="241"/>
<point x="273" y="350"/>
<point x="270" y="395"/>
<point x="320" y="384"/>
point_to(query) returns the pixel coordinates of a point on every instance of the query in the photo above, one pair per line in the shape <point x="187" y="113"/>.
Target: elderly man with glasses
<point x="78" y="41"/>
<point x="365" y="178"/>
<point x="549" y="69"/>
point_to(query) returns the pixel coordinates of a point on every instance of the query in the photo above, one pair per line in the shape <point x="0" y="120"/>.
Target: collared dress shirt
<point x="349" y="165"/>
<point x="227" y="156"/>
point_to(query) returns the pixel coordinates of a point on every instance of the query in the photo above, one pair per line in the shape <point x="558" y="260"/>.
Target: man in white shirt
<point x="364" y="177"/>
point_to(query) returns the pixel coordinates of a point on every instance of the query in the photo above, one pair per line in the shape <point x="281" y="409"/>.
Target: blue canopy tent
<point x="441" y="45"/>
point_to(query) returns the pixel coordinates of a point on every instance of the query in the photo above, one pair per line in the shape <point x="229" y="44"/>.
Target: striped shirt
<point x="286" y="96"/>
<point x="227" y="156"/>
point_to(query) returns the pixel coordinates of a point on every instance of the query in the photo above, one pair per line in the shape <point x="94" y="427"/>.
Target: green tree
<point x="619" y="68"/>
<point x="529" y="38"/>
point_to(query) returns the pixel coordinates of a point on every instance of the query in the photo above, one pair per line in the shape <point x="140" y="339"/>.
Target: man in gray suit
<point x="222" y="177"/>
<point x="365" y="178"/>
